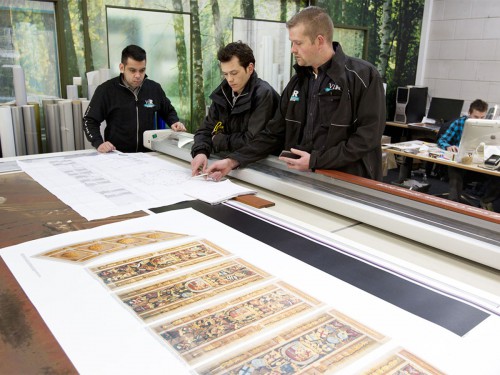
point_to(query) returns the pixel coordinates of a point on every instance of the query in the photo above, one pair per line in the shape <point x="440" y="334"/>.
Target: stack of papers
<point x="412" y="147"/>
<point x="216" y="192"/>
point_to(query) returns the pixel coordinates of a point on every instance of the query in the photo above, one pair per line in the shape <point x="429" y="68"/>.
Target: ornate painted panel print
<point x="85" y="251"/>
<point x="320" y="345"/>
<point x="118" y="274"/>
<point x="213" y="330"/>
<point x="403" y="362"/>
<point x="159" y="299"/>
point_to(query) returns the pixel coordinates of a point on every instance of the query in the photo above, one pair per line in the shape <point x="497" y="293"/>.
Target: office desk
<point x="411" y="131"/>
<point x="19" y="355"/>
<point x="416" y="126"/>
<point x="450" y="163"/>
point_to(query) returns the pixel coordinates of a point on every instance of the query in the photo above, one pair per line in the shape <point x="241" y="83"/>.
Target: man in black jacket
<point x="130" y="104"/>
<point x="332" y="112"/>
<point x="241" y="107"/>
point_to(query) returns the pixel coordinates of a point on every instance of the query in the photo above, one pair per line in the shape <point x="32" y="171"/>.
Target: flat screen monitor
<point x="476" y="132"/>
<point x="442" y="109"/>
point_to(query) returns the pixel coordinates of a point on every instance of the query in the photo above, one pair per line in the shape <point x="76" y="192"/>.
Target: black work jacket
<point x="127" y="116"/>
<point x="238" y="123"/>
<point x="350" y="122"/>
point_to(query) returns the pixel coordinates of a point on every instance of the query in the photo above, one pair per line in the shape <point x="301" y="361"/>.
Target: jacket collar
<point x="336" y="68"/>
<point x="225" y="90"/>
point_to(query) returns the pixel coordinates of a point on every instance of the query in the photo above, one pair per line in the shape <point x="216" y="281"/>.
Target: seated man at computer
<point x="450" y="140"/>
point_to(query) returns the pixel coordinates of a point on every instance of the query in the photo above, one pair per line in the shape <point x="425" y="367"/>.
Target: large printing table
<point x="437" y="287"/>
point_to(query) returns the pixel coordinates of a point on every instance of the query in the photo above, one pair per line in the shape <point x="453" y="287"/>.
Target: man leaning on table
<point x="241" y="107"/>
<point x="332" y="112"/>
<point x="450" y="141"/>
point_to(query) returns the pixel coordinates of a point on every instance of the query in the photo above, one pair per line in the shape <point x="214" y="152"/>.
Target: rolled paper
<point x="104" y="74"/>
<point x="67" y="128"/>
<point x="19" y="85"/>
<point x="78" y="123"/>
<point x="48" y="120"/>
<point x="19" y="134"/>
<point x="91" y="90"/>
<point x="72" y="92"/>
<point x="52" y="127"/>
<point x="7" y="140"/>
<point x="93" y="78"/>
<point x="77" y="81"/>
<point x="30" y="129"/>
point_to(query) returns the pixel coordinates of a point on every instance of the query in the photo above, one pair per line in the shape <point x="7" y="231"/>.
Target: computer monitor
<point x="475" y="132"/>
<point x="443" y="110"/>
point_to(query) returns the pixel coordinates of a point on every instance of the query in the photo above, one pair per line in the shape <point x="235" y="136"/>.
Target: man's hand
<point x="178" y="127"/>
<point x="221" y="168"/>
<point x="106" y="147"/>
<point x="199" y="164"/>
<point x="452" y="148"/>
<point x="301" y="164"/>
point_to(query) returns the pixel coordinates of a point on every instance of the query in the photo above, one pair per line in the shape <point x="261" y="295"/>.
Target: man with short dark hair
<point x="332" y="112"/>
<point x="450" y="141"/>
<point x="451" y="137"/>
<point x="130" y="104"/>
<point x="241" y="107"/>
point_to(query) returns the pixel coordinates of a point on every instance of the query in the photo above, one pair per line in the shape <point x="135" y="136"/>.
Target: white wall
<point x="460" y="50"/>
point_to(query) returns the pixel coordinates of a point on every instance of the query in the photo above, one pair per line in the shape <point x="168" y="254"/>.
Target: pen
<point x="200" y="175"/>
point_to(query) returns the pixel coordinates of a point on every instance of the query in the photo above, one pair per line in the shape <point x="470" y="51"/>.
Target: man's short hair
<point x="239" y="49"/>
<point x="478" y="105"/>
<point x="316" y="22"/>
<point x="134" y="52"/>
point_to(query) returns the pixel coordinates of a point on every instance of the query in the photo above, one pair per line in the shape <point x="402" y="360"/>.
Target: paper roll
<point x="52" y="127"/>
<point x="78" y="124"/>
<point x="30" y="129"/>
<point x="51" y="121"/>
<point x="93" y="78"/>
<point x="19" y="85"/>
<point x="72" y="92"/>
<point x="67" y="128"/>
<point x="104" y="74"/>
<point x="19" y="134"/>
<point x="91" y="90"/>
<point x="77" y="81"/>
<point x="7" y="140"/>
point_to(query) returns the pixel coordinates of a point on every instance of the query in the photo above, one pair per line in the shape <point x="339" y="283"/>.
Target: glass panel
<point x="166" y="38"/>
<point x="271" y="48"/>
<point x="28" y="38"/>
<point x="352" y="40"/>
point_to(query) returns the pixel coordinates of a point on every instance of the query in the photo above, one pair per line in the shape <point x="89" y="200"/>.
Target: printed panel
<point x="159" y="299"/>
<point x="403" y="362"/>
<point x="85" y="251"/>
<point x="124" y="272"/>
<point x="321" y="345"/>
<point x="208" y="332"/>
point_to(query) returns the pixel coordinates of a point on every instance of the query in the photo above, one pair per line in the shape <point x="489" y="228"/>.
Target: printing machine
<point x="474" y="237"/>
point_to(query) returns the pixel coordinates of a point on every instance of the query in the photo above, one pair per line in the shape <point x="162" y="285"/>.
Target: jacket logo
<point x="332" y="87"/>
<point x="149" y="103"/>
<point x="295" y="96"/>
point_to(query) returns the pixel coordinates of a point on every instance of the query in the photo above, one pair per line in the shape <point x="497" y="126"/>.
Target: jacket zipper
<point x="136" y="114"/>
<point x="137" y="119"/>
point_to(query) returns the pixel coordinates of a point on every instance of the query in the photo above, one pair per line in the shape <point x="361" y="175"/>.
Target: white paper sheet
<point x="103" y="185"/>
<point x="101" y="336"/>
